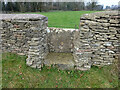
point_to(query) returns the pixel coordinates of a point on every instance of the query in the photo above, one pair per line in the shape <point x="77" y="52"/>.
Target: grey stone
<point x="94" y="43"/>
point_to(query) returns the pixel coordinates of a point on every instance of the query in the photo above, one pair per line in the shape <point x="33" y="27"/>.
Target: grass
<point x="64" y="19"/>
<point x="17" y="75"/>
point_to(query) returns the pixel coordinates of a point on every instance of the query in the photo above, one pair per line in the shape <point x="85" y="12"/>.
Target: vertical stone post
<point x="38" y="48"/>
<point x="25" y="34"/>
<point x="82" y="49"/>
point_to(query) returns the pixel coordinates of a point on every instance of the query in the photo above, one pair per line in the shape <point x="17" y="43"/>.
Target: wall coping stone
<point x="95" y="15"/>
<point x="34" y="17"/>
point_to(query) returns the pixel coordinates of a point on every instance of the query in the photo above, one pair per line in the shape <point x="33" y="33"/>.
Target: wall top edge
<point x="22" y="16"/>
<point x="102" y="14"/>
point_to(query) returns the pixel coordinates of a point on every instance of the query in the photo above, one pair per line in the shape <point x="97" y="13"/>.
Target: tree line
<point x="48" y="6"/>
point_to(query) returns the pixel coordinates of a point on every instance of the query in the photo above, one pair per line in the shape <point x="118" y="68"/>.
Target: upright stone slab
<point x="25" y="34"/>
<point x="60" y="39"/>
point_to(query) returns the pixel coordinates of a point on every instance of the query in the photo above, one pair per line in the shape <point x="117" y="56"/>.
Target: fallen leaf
<point x="81" y="75"/>
<point x="49" y="67"/>
<point x="19" y="66"/>
<point x="20" y="73"/>
<point x="68" y="72"/>
<point x="56" y="86"/>
<point x="110" y="81"/>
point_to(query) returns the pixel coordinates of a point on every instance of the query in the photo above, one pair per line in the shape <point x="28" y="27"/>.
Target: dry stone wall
<point x="98" y="39"/>
<point x="25" y="34"/>
<point x="95" y="43"/>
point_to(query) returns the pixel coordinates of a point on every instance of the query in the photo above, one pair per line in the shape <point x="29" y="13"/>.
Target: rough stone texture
<point x="95" y="43"/>
<point x="25" y="17"/>
<point x="60" y="39"/>
<point x="98" y="39"/>
<point x="25" y="34"/>
<point x="64" y="61"/>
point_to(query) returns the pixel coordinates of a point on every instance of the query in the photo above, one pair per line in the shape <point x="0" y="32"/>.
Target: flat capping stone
<point x="30" y="17"/>
<point x="100" y="14"/>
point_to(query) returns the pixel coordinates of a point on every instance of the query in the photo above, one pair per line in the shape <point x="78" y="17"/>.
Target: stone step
<point x="63" y="61"/>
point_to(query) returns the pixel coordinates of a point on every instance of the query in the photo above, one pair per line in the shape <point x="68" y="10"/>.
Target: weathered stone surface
<point x="21" y="17"/>
<point x="97" y="40"/>
<point x="95" y="43"/>
<point x="25" y="34"/>
<point x="60" y="39"/>
<point x="64" y="61"/>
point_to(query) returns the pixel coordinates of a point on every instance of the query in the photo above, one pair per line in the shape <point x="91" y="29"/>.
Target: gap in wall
<point x="60" y="46"/>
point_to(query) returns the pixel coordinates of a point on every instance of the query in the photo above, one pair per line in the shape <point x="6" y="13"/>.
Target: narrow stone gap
<point x="60" y="46"/>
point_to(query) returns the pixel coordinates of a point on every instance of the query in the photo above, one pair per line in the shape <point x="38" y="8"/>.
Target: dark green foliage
<point x="47" y="6"/>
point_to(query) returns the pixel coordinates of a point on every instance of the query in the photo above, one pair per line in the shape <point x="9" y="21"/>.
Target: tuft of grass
<point x="16" y="74"/>
<point x="64" y="19"/>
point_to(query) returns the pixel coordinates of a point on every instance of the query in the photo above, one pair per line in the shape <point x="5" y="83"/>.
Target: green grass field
<point x="17" y="75"/>
<point x="66" y="19"/>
